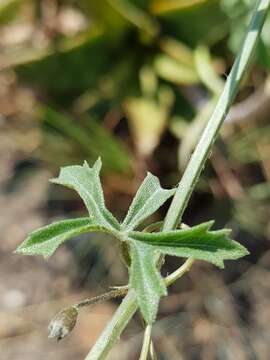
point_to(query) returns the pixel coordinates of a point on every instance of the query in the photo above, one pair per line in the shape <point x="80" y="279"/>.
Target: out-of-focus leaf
<point x="135" y="16"/>
<point x="206" y="71"/>
<point x="146" y="280"/>
<point x="174" y="71"/>
<point x="103" y="13"/>
<point x="192" y="20"/>
<point x="178" y="126"/>
<point x="147" y="119"/>
<point x="260" y="191"/>
<point x="112" y="87"/>
<point x="263" y="54"/>
<point x="244" y="146"/>
<point x="243" y="214"/>
<point x="148" y="81"/>
<point x="8" y="10"/>
<point x="197" y="242"/>
<point x="91" y="140"/>
<point x="117" y="15"/>
<point x="163" y="6"/>
<point x="236" y="37"/>
<point x="74" y="67"/>
<point x="237" y="13"/>
<point x="86" y="181"/>
<point x="28" y="56"/>
<point x="178" y="51"/>
<point x="266" y="31"/>
<point x="149" y="197"/>
<point x="46" y="240"/>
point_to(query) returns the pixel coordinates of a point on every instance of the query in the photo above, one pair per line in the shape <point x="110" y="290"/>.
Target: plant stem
<point x="146" y="343"/>
<point x="121" y="291"/>
<point x="170" y="279"/>
<point x="203" y="149"/>
<point x="152" y="353"/>
<point x="186" y="186"/>
<point x="115" y="327"/>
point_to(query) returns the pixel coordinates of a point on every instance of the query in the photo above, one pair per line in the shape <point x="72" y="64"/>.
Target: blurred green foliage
<point x="9" y="10"/>
<point x="154" y="65"/>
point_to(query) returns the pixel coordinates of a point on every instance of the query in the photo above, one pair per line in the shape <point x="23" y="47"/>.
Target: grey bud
<point x="63" y="323"/>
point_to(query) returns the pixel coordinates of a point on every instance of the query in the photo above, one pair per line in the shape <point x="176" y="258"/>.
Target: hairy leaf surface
<point x="146" y="280"/>
<point x="197" y="242"/>
<point x="46" y="240"/>
<point x="86" y="182"/>
<point x="148" y="199"/>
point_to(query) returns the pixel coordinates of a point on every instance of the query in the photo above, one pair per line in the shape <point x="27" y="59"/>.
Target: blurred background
<point x="132" y="81"/>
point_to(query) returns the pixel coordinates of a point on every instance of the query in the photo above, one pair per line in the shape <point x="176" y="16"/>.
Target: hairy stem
<point x="115" y="327"/>
<point x="118" y="292"/>
<point x="125" y="311"/>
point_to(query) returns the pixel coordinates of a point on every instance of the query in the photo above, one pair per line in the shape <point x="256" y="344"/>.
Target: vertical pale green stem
<point x="115" y="327"/>
<point x="125" y="311"/>
<point x="203" y="149"/>
<point x="146" y="343"/>
<point x="152" y="353"/>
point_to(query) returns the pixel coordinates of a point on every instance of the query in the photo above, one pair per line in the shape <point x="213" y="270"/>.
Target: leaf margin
<point x="166" y="247"/>
<point x="136" y="213"/>
<point x="80" y="226"/>
<point x="94" y="202"/>
<point x="155" y="289"/>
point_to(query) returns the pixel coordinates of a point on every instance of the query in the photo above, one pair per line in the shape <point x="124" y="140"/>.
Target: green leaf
<point x="147" y="120"/>
<point x="9" y="9"/>
<point x="206" y="71"/>
<point x="192" y="20"/>
<point x="149" y="197"/>
<point x="146" y="280"/>
<point x="196" y="242"/>
<point x="46" y="240"/>
<point x="86" y="54"/>
<point x="174" y="71"/>
<point x="148" y="114"/>
<point x="86" y="182"/>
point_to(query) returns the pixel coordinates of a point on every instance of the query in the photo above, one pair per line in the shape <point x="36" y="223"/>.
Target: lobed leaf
<point x="196" y="242"/>
<point x="146" y="280"/>
<point x="47" y="239"/>
<point x="149" y="197"/>
<point x="86" y="182"/>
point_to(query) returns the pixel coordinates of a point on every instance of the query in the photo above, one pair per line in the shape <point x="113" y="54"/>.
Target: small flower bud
<point x="63" y="323"/>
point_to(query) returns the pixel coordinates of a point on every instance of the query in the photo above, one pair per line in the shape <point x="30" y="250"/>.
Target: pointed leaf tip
<point x="86" y="181"/>
<point x="148" y="199"/>
<point x="197" y="242"/>
<point x="47" y="239"/>
<point x="85" y="164"/>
